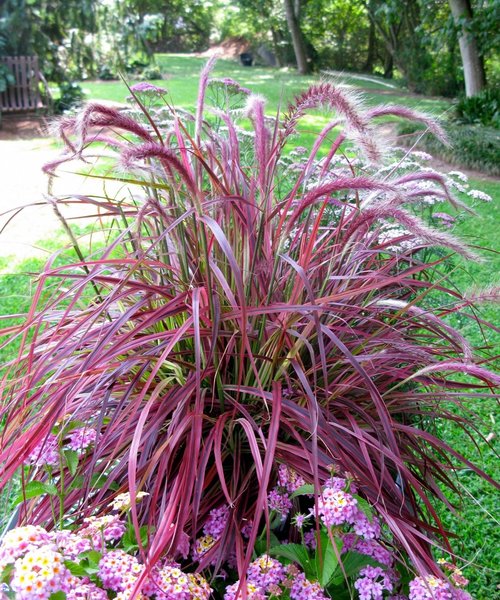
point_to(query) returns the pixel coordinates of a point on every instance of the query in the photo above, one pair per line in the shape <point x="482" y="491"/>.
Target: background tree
<point x="292" y="11"/>
<point x="472" y="60"/>
<point x="415" y="40"/>
<point x="261" y="21"/>
<point x="176" y="26"/>
<point x="55" y="30"/>
<point x="419" y="41"/>
<point x="339" y="32"/>
<point x="399" y="23"/>
<point x="123" y="41"/>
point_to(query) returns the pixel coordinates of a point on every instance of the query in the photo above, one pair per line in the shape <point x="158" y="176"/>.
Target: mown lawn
<point x="477" y="520"/>
<point x="277" y="85"/>
<point x="476" y="523"/>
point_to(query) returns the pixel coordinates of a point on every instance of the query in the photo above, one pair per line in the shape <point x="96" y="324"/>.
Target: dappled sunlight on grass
<point x="181" y="80"/>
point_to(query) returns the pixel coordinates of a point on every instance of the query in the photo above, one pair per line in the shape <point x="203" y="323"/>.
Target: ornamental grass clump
<point x="258" y="314"/>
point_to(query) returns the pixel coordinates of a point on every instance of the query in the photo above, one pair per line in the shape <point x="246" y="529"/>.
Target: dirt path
<point x="24" y="148"/>
<point x="23" y="183"/>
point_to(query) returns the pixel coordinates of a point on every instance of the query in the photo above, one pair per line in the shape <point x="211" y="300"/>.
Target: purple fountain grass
<point x="422" y="233"/>
<point x="97" y="115"/>
<point x="238" y="321"/>
<point x="346" y="104"/>
<point x="408" y="113"/>
<point x="489" y="294"/>
<point x="327" y="95"/>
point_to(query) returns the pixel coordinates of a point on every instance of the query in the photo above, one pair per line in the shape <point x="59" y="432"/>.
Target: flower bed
<point x="338" y="548"/>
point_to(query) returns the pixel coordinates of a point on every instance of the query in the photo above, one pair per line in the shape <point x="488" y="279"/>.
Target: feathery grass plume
<point x="434" y="177"/>
<point x="98" y="115"/>
<point x="486" y="295"/>
<point x="423" y="233"/>
<point x="413" y="115"/>
<point x="346" y="105"/>
<point x="202" y="88"/>
<point x="169" y="161"/>
<point x="334" y="98"/>
<point x="255" y="110"/>
<point x="238" y="320"/>
<point x="463" y="345"/>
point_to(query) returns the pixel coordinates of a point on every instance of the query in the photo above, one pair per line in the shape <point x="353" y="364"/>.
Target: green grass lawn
<point x="477" y="521"/>
<point x="277" y="85"/>
<point x="475" y="525"/>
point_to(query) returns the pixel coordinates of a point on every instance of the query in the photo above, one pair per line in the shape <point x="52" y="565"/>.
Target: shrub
<point x="249" y="313"/>
<point x="106" y="73"/>
<point x="151" y="73"/>
<point x="136" y="65"/>
<point x="71" y="96"/>
<point x="472" y="146"/>
<point x="482" y="109"/>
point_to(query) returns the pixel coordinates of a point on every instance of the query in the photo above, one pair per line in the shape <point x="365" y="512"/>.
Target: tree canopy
<point x="433" y="45"/>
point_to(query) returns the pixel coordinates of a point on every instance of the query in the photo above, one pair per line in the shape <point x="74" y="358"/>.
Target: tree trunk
<point x="388" y="66"/>
<point x="371" y="54"/>
<point x="299" y="47"/>
<point x="390" y="37"/>
<point x="278" y="52"/>
<point x="474" y="75"/>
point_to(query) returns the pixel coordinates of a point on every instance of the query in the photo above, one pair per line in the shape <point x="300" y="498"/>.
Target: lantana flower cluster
<point x="345" y="514"/>
<point x="49" y="452"/>
<point x="454" y="573"/>
<point x="372" y="583"/>
<point x="279" y="499"/>
<point x="36" y="563"/>
<point x="170" y="581"/>
<point x="433" y="588"/>
<point x="212" y="531"/>
<point x="39" y="573"/>
<point x="268" y="578"/>
<point x="119" y="571"/>
<point x="103" y="529"/>
<point x="303" y="589"/>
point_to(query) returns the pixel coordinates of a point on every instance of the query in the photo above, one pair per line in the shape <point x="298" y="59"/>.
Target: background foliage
<point x="413" y="40"/>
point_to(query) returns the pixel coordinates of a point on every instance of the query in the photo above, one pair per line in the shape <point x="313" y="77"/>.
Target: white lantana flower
<point x="123" y="501"/>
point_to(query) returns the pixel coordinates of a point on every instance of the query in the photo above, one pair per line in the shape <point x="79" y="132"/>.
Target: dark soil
<point x="228" y="49"/>
<point x="23" y="127"/>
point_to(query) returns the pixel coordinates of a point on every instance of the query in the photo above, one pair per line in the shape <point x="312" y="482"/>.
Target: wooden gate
<point x="24" y="94"/>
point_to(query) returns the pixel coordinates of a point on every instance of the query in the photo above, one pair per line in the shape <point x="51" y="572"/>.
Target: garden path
<point x="25" y="147"/>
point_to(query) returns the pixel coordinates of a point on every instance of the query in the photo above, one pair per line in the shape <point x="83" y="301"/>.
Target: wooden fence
<point x="24" y="94"/>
